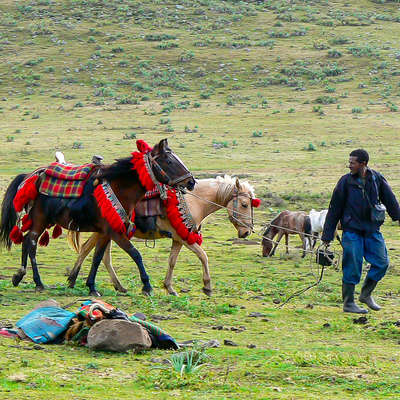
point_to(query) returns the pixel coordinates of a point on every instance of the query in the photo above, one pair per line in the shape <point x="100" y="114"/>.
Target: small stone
<point x="218" y="327"/>
<point x="311" y="306"/>
<point x="140" y="315"/>
<point x="256" y="315"/>
<point x="229" y="343"/>
<point x="212" y="344"/>
<point x="327" y="325"/>
<point x="251" y="346"/>
<point x="276" y="301"/>
<point x="361" y="320"/>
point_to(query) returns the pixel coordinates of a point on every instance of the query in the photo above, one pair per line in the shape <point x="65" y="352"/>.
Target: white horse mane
<point x="227" y="184"/>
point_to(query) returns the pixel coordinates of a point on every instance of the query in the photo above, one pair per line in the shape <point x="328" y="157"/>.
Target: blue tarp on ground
<point x="45" y="324"/>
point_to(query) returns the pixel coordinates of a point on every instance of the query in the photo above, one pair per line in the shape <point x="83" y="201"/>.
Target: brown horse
<point x="207" y="197"/>
<point x="287" y="223"/>
<point x="122" y="182"/>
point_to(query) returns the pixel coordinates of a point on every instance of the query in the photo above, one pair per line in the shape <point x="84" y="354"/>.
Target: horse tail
<point x="8" y="214"/>
<point x="74" y="240"/>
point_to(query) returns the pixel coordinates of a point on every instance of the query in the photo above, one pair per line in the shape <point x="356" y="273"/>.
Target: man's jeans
<point x="372" y="248"/>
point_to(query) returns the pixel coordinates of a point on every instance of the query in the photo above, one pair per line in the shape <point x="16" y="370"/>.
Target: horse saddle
<point x="146" y="212"/>
<point x="67" y="181"/>
<point x="150" y="205"/>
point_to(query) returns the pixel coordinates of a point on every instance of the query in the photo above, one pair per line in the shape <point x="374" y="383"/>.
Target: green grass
<point x="277" y="92"/>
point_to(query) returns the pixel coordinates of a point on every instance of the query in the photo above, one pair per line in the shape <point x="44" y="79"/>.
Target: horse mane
<point x="226" y="186"/>
<point x="122" y="167"/>
<point x="271" y="225"/>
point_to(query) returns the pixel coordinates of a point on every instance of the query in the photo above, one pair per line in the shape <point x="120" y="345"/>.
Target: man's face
<point x="355" y="166"/>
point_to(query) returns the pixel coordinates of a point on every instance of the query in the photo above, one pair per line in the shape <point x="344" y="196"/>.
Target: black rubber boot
<point x="348" y="300"/>
<point x="365" y="296"/>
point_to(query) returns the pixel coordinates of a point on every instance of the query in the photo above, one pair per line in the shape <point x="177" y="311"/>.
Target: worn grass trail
<point x="278" y="93"/>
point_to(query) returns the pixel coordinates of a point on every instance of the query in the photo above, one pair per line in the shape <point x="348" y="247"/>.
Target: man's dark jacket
<point x="350" y="205"/>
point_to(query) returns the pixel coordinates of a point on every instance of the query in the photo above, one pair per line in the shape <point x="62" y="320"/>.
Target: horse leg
<point x="202" y="255"/>
<point x="17" y="277"/>
<point x="173" y="256"/>
<point x="304" y="241"/>
<point x="287" y="242"/>
<point x="276" y="243"/>
<point x="32" y="255"/>
<point x="108" y="264"/>
<point x="129" y="248"/>
<point x="101" y="246"/>
<point x="83" y="253"/>
<point x="315" y="236"/>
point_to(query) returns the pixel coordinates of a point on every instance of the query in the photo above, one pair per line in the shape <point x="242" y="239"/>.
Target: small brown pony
<point x="207" y="197"/>
<point x="84" y="214"/>
<point x="287" y="223"/>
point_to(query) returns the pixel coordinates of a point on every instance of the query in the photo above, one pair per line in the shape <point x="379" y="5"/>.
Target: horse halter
<point x="151" y="162"/>
<point x="235" y="213"/>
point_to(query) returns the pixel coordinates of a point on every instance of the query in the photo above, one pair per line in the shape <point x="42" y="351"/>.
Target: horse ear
<point x="163" y="145"/>
<point x="237" y="183"/>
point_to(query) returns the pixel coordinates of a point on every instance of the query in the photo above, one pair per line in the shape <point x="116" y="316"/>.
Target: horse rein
<point x="235" y="213"/>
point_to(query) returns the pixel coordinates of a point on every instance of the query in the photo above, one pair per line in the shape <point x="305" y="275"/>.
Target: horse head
<point x="168" y="168"/>
<point x="240" y="208"/>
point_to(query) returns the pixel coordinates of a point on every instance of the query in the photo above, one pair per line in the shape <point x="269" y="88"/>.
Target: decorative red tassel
<point x="255" y="202"/>
<point x="16" y="235"/>
<point x="139" y="166"/>
<point x="26" y="223"/>
<point x="142" y="146"/>
<point x="108" y="212"/>
<point x="175" y="218"/>
<point x="44" y="239"/>
<point x="57" y="231"/>
<point x="27" y="193"/>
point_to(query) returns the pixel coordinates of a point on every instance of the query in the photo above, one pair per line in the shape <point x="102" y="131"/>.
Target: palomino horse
<point x="108" y="200"/>
<point x="317" y="225"/>
<point x="209" y="195"/>
<point x="287" y="223"/>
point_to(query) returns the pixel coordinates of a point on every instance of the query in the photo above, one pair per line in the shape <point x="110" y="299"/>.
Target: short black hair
<point x="361" y="154"/>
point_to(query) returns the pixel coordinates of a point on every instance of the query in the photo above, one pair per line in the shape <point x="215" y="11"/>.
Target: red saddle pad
<point x="69" y="172"/>
<point x="55" y="187"/>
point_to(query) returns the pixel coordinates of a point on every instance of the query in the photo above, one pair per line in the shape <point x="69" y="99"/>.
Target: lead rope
<point x="311" y="252"/>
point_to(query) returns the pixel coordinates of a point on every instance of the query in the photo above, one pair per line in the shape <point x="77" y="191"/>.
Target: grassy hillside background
<point x="276" y="92"/>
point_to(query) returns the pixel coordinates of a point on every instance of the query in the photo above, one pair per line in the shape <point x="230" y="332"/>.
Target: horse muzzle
<point x="187" y="183"/>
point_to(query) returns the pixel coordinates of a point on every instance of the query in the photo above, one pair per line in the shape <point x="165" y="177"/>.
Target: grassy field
<point x="276" y="92"/>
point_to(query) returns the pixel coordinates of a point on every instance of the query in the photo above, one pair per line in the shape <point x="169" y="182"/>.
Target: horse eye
<point x="244" y="205"/>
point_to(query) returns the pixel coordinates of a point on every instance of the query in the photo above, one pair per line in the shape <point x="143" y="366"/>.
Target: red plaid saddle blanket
<point x="69" y="172"/>
<point x="150" y="205"/>
<point x="66" y="181"/>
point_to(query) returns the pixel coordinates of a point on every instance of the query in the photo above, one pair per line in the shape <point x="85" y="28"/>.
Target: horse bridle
<point x="235" y="212"/>
<point x="151" y="162"/>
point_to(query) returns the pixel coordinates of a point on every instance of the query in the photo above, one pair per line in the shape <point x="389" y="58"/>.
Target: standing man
<point x="357" y="202"/>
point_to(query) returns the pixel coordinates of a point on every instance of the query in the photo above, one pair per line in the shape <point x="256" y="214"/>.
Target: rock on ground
<point x="118" y="335"/>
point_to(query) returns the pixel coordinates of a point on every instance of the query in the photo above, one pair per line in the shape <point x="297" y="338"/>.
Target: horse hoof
<point x="39" y="288"/>
<point x="71" y="283"/>
<point x="16" y="279"/>
<point x="121" y="289"/>
<point x="208" y="292"/>
<point x="94" y="293"/>
<point x="147" y="291"/>
<point x="173" y="293"/>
